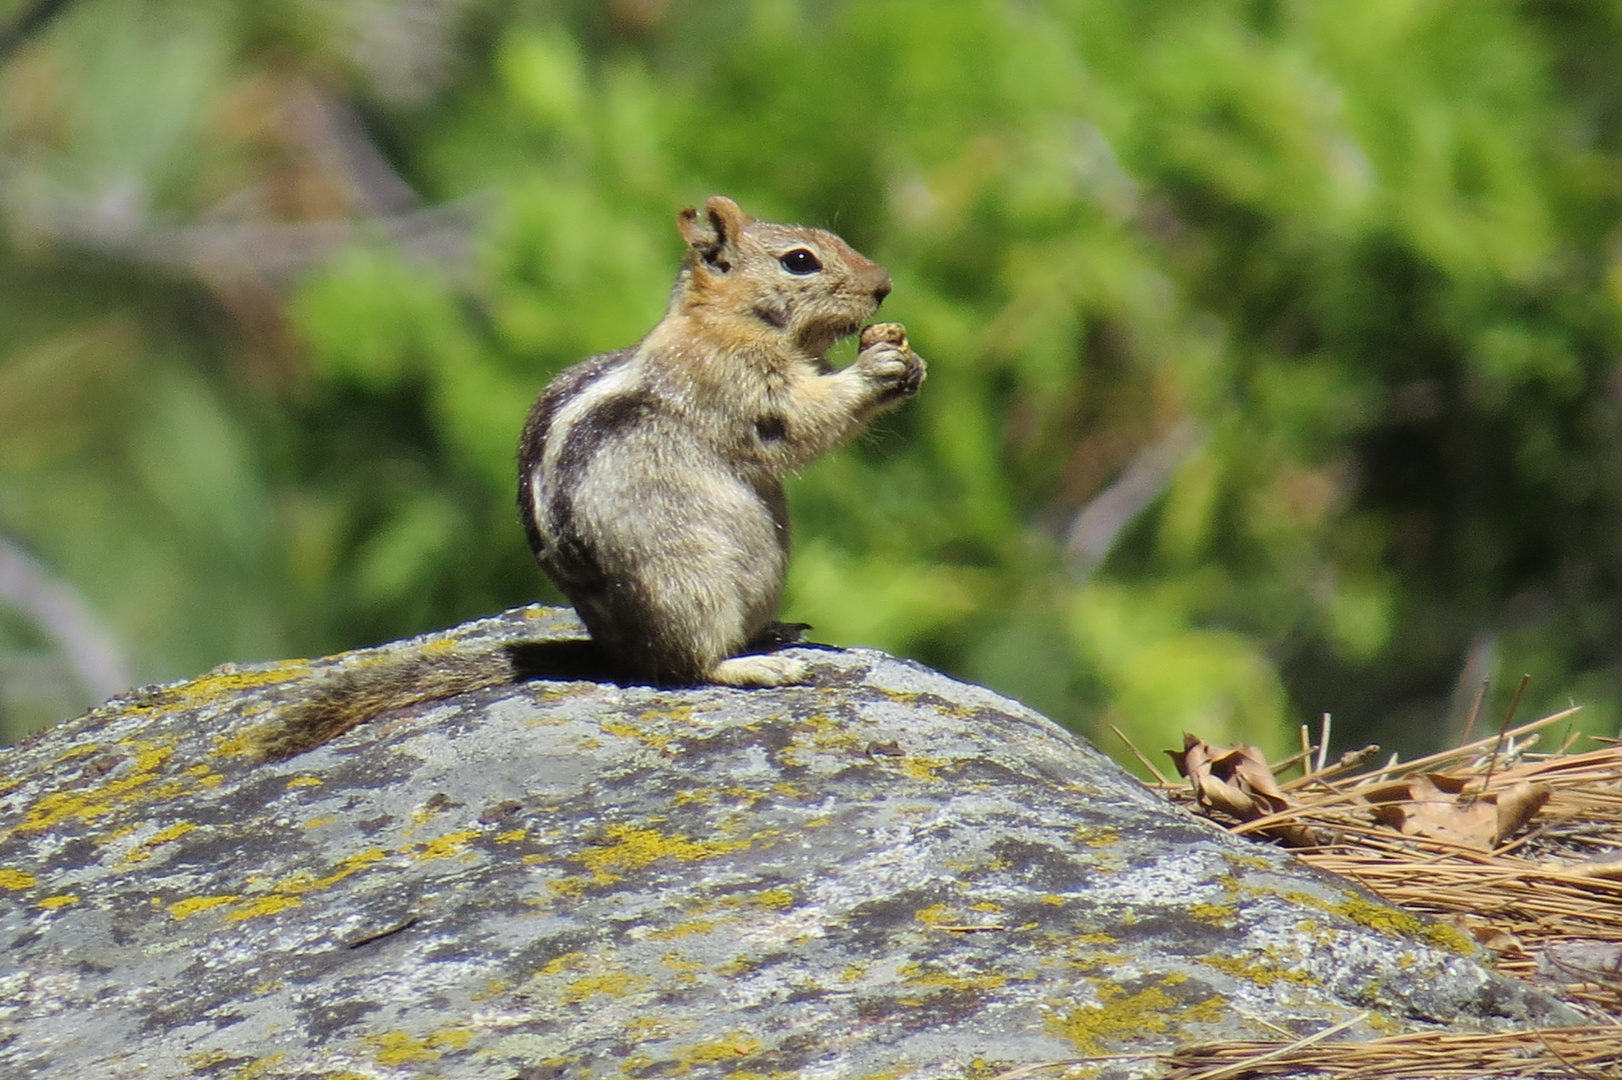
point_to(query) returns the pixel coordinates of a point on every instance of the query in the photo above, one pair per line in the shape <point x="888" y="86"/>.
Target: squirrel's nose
<point x="881" y="290"/>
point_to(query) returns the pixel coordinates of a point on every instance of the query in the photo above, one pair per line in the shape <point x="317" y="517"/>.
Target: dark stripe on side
<point x="573" y="564"/>
<point x="532" y="443"/>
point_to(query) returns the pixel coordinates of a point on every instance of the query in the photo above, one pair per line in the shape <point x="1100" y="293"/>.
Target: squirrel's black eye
<point x="800" y="261"/>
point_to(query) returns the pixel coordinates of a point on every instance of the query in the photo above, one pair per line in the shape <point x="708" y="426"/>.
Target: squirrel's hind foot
<point x="760" y="671"/>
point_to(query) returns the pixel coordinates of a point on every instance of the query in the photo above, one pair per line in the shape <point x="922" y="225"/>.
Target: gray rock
<point x="886" y="873"/>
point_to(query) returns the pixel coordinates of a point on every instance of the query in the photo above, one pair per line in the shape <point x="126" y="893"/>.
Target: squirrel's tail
<point x="365" y="690"/>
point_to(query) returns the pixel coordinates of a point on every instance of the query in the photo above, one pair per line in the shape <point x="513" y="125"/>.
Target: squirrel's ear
<point x="715" y="233"/>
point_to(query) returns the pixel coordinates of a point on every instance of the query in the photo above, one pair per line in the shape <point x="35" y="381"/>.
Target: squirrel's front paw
<point x="888" y="360"/>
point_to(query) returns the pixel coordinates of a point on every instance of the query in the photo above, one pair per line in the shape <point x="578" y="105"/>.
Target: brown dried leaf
<point x="1434" y="813"/>
<point x="1487" y="934"/>
<point x="1239" y="783"/>
<point x="1249" y="769"/>
<point x="1194" y="758"/>
<point x="1517" y="806"/>
<point x="1452" y="785"/>
<point x="1217" y="795"/>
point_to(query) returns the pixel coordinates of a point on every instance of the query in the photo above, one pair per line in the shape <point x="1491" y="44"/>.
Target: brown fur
<point x="650" y="480"/>
<point x="348" y="699"/>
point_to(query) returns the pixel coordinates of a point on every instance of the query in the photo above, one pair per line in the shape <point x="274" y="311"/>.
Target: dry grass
<point x="1562" y="1052"/>
<point x="1520" y="848"/>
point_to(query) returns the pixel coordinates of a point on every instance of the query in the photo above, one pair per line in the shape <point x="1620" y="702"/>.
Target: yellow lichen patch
<point x="936" y="915"/>
<point x="1389" y="920"/>
<point x="727" y="1048"/>
<point x="1392" y="921"/>
<point x="452" y="1038"/>
<point x="636" y="733"/>
<point x="571" y="961"/>
<point x="424" y="814"/>
<point x="207" y="689"/>
<point x="265" y="905"/>
<point x="686" y="928"/>
<point x="920" y="767"/>
<point x="304" y="781"/>
<point x="564" y="886"/>
<point x="400" y="1048"/>
<point x="317" y="822"/>
<point x="641" y="1029"/>
<point x="740" y="965"/>
<point x="495" y="988"/>
<point x="258" y="1067"/>
<point x="1119" y="1015"/>
<point x="987" y="907"/>
<point x="1096" y="838"/>
<point x="512" y="836"/>
<point x="1262" y="972"/>
<point x="682" y="714"/>
<point x="676" y="961"/>
<point x="904" y="697"/>
<point x="207" y="1059"/>
<point x="444" y="847"/>
<point x="852" y="973"/>
<point x="16" y="879"/>
<point x="142" y="851"/>
<point x="88" y="804"/>
<point x="932" y="978"/>
<point x="50" y="903"/>
<point x="633" y="848"/>
<point x="606" y="984"/>
<point x="185" y="909"/>
<point x="303" y="881"/>
<point x="1215" y="914"/>
<point x="244" y="743"/>
<point x="774" y="899"/>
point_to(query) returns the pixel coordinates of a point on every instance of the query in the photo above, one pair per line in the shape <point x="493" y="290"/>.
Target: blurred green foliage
<point x="280" y="280"/>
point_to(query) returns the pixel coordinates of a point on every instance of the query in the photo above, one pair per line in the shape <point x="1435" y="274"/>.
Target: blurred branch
<point x="30" y="21"/>
<point x="274" y="251"/>
<point x="252" y="235"/>
<point x="1094" y="531"/>
<point x="67" y="619"/>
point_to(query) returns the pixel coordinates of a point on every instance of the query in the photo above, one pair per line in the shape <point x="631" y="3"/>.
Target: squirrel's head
<point x="804" y="284"/>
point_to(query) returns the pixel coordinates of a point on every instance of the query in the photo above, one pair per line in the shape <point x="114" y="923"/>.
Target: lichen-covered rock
<point x="886" y="873"/>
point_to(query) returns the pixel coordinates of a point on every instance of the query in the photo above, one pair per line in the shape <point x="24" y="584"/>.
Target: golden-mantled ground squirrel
<point x="650" y="479"/>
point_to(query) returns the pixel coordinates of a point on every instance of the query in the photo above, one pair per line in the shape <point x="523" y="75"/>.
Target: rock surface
<point x="888" y="873"/>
